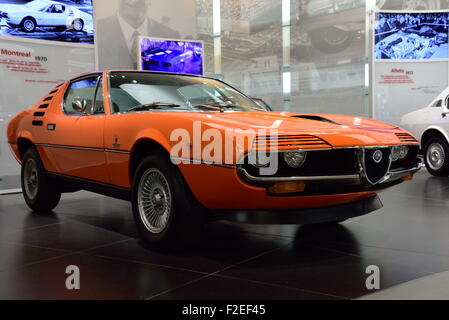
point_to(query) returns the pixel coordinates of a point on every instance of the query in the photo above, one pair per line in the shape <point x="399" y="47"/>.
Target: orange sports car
<point x="186" y="149"/>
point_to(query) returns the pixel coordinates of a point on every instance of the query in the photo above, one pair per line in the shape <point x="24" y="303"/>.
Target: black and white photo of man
<point x="117" y="43"/>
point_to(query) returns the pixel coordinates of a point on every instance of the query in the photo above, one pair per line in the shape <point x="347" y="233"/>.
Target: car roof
<point x="47" y="2"/>
<point x="139" y="71"/>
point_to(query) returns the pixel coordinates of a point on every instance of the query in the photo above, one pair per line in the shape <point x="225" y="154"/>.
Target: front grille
<point x="288" y="141"/>
<point x="376" y="171"/>
<point x="318" y="163"/>
<point x="406" y="138"/>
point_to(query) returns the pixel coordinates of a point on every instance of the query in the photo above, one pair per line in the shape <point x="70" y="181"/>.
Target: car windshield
<point x="137" y="91"/>
<point x="37" y="5"/>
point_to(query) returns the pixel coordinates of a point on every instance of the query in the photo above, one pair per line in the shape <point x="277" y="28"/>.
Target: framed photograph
<point x="171" y="55"/>
<point x="411" y="36"/>
<point x="65" y="20"/>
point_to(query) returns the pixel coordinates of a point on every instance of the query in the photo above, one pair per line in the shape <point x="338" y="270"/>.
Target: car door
<point x="60" y="15"/>
<point x="77" y="138"/>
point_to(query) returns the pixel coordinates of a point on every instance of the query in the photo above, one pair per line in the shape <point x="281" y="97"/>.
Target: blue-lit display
<point x="411" y="35"/>
<point x="65" y="20"/>
<point x="177" y="56"/>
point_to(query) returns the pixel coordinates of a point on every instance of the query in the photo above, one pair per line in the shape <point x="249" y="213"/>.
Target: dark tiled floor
<point x="407" y="239"/>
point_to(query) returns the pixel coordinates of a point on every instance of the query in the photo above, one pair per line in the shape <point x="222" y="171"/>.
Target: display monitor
<point x="177" y="56"/>
<point x="67" y="21"/>
<point x="399" y="35"/>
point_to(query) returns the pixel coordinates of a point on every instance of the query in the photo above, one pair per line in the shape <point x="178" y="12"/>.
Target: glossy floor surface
<point x="408" y="240"/>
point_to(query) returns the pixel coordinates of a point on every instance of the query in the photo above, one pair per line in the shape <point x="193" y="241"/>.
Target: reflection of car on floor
<point x="44" y="13"/>
<point x="171" y="60"/>
<point x="116" y="137"/>
<point x="431" y="126"/>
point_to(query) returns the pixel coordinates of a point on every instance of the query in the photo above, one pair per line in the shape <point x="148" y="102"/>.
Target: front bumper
<point x="303" y="216"/>
<point x="361" y="179"/>
<point x="219" y="187"/>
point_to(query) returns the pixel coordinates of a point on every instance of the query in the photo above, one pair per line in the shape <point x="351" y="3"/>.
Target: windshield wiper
<point x="153" y="105"/>
<point x="208" y="106"/>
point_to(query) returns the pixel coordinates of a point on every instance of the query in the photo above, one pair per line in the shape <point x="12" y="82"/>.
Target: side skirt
<point x="105" y="189"/>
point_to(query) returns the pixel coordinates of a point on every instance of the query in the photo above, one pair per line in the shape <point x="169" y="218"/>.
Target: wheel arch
<point x="140" y="149"/>
<point x="24" y="141"/>
<point x="28" y="17"/>
<point x="432" y="132"/>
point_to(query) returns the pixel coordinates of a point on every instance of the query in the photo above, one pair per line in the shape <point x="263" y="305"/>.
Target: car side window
<point x="81" y="89"/>
<point x="437" y="103"/>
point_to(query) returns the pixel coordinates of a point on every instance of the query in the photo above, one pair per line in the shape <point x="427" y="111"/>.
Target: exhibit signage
<point x="404" y="87"/>
<point x="29" y="70"/>
<point x="411" y="61"/>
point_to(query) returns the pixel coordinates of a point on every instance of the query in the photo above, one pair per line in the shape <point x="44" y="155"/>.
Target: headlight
<point x="295" y="159"/>
<point x="399" y="153"/>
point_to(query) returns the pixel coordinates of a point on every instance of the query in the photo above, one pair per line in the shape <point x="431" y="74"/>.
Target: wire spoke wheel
<point x="154" y="200"/>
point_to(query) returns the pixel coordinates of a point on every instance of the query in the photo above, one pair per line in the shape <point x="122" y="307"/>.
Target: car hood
<point x="337" y="130"/>
<point x="13" y="8"/>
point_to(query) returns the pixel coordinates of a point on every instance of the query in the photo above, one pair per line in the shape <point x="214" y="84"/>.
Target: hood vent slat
<point x="289" y="141"/>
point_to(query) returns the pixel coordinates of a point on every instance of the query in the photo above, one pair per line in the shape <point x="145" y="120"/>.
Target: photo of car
<point x="171" y="56"/>
<point x="411" y="35"/>
<point x="118" y="133"/>
<point x="431" y="126"/>
<point x="45" y="19"/>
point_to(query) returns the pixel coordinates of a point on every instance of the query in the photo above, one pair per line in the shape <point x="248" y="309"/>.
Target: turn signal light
<point x="408" y="177"/>
<point x="287" y="187"/>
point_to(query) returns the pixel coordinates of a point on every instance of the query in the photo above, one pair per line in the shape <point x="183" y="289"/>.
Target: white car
<point x="431" y="126"/>
<point x="44" y="13"/>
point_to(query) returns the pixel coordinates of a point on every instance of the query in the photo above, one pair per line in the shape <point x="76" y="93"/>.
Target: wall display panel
<point x="404" y="87"/>
<point x="328" y="57"/>
<point x="410" y="5"/>
<point x="28" y="71"/>
<point x="252" y="48"/>
<point x="120" y="23"/>
<point x="178" y="56"/>
<point x="64" y="20"/>
<point x="399" y="35"/>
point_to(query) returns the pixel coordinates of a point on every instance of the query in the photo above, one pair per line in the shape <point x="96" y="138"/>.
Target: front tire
<point x="29" y="24"/>
<point x="39" y="192"/>
<point x="166" y="213"/>
<point x="436" y="157"/>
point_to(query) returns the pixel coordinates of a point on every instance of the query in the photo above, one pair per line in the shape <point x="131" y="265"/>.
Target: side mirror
<point x="79" y="104"/>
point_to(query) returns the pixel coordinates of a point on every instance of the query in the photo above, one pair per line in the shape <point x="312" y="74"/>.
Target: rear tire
<point x="78" y="25"/>
<point x="39" y="192"/>
<point x="165" y="211"/>
<point x="436" y="157"/>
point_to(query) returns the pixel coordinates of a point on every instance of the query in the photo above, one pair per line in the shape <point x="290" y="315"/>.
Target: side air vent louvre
<point x="48" y="98"/>
<point x="43" y="106"/>
<point x="39" y="114"/>
<point x="405" y="137"/>
<point x="38" y="123"/>
<point x="54" y="91"/>
<point x="59" y="85"/>
<point x="288" y="141"/>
